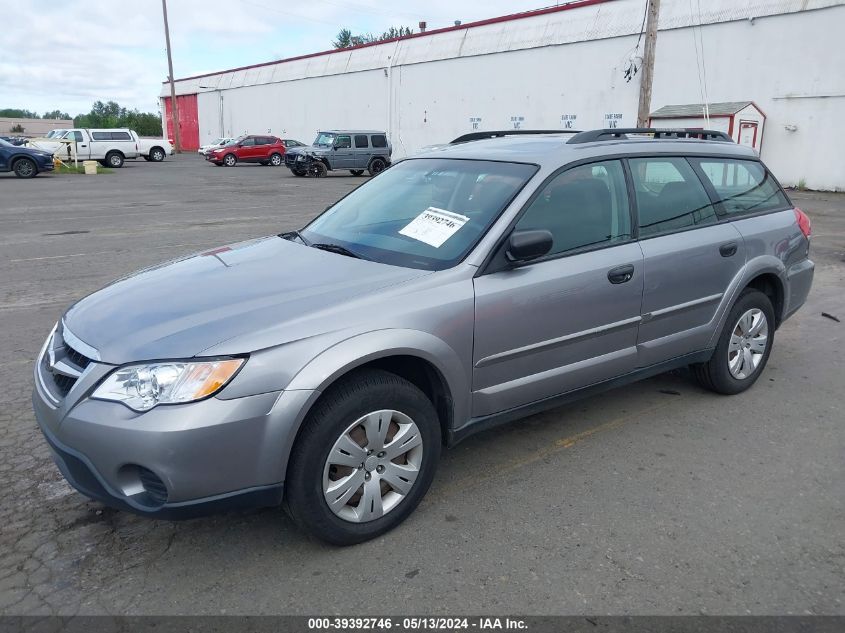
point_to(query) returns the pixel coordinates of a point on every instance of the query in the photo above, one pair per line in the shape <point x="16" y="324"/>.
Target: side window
<point x="361" y="141"/>
<point x="669" y="195"/>
<point x="248" y="142"/>
<point x="343" y="142"/>
<point x="101" y="136"/>
<point x="743" y="186"/>
<point x="379" y="140"/>
<point x="121" y="136"/>
<point x="77" y="136"/>
<point x="582" y="207"/>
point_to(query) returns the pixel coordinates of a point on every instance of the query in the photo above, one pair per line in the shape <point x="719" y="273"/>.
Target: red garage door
<point x="189" y="128"/>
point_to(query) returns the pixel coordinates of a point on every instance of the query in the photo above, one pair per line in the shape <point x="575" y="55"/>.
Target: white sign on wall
<point x="475" y="122"/>
<point x="568" y="121"/>
<point x="613" y="120"/>
<point x="517" y="121"/>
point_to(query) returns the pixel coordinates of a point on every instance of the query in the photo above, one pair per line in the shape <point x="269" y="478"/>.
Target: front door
<point x="341" y="157"/>
<point x="570" y="319"/>
<point x="689" y="258"/>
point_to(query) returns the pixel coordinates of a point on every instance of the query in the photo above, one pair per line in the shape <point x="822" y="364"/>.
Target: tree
<point x="345" y="39"/>
<point x="56" y="114"/>
<point x="17" y="113"/>
<point x="17" y="128"/>
<point x="111" y="114"/>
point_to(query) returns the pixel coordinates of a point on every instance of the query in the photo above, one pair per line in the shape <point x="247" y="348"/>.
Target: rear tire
<point x="390" y="404"/>
<point x="377" y="165"/>
<point x="114" y="160"/>
<point x="156" y="154"/>
<point x="25" y="168"/>
<point x="744" y="346"/>
<point x="275" y="160"/>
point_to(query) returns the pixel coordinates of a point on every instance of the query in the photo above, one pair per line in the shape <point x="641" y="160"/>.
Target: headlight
<point x="141" y="387"/>
<point x="300" y="157"/>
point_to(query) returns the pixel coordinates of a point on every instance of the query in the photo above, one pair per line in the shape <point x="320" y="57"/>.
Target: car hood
<point x="307" y="149"/>
<point x="180" y="308"/>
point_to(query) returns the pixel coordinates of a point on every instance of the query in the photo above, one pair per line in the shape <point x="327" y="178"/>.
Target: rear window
<point x="111" y="136"/>
<point x="670" y="197"/>
<point x="743" y="186"/>
<point x="379" y="140"/>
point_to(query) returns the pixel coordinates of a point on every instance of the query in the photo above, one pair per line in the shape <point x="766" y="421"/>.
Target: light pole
<point x="174" y="109"/>
<point x="647" y="78"/>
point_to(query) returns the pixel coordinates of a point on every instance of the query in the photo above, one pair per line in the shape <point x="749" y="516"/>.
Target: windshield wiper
<point x="289" y="234"/>
<point x="337" y="248"/>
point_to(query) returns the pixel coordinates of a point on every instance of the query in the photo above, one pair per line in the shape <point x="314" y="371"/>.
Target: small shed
<point x="743" y="121"/>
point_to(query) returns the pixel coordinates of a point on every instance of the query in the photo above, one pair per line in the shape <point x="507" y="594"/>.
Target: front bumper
<point x="201" y="457"/>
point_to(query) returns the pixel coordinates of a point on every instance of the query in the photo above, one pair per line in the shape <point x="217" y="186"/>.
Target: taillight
<point x="803" y="222"/>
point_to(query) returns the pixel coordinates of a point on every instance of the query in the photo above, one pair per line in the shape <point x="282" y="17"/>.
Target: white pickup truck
<point x="154" y="149"/>
<point x="110" y="147"/>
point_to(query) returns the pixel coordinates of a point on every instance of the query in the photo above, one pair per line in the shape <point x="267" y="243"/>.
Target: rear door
<point x="570" y="319"/>
<point x="689" y="262"/>
<point x="361" y="151"/>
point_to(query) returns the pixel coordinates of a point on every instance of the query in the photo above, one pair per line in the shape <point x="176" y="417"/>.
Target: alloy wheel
<point x="372" y="466"/>
<point x="748" y="342"/>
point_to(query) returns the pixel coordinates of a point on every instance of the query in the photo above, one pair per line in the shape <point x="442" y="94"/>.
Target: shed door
<point x="748" y="133"/>
<point x="188" y="121"/>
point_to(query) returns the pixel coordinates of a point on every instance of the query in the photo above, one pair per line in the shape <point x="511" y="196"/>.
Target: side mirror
<point x="524" y="246"/>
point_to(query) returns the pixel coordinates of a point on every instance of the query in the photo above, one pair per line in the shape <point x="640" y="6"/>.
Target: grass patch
<point x="70" y="169"/>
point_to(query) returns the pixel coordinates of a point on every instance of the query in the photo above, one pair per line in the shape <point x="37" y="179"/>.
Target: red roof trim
<point x="574" y="4"/>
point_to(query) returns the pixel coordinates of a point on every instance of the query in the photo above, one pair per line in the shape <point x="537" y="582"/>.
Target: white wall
<point x="568" y="63"/>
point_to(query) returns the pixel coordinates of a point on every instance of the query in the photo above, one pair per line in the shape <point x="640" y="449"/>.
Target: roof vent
<point x="423" y="25"/>
<point x="457" y="22"/>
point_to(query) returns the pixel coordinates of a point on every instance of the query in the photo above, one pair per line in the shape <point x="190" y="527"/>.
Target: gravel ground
<point x="657" y="498"/>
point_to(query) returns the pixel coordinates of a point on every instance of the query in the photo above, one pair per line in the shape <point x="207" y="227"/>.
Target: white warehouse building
<point x="769" y="71"/>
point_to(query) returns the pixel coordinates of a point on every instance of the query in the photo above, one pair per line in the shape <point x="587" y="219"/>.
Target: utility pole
<point x="647" y="77"/>
<point x="174" y="109"/>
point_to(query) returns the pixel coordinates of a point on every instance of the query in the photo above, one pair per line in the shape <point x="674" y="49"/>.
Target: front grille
<point x="80" y="360"/>
<point x="290" y="159"/>
<point x="153" y="485"/>
<point x="63" y="383"/>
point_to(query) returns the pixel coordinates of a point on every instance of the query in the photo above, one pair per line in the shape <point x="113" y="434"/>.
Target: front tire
<point x="230" y="160"/>
<point x="25" y="168"/>
<point x="743" y="348"/>
<point x="318" y="169"/>
<point x="298" y="172"/>
<point x="364" y="459"/>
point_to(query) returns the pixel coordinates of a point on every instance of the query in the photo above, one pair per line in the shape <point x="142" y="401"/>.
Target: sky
<point x="66" y="54"/>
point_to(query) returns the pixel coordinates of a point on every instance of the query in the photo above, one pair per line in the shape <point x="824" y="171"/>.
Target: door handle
<point x="83" y="145"/>
<point x="620" y="274"/>
<point x="727" y="250"/>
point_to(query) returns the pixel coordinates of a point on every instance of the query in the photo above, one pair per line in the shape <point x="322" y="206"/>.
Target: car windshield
<point x="324" y="139"/>
<point x="235" y="141"/>
<point x="421" y="213"/>
<point x="5" y="143"/>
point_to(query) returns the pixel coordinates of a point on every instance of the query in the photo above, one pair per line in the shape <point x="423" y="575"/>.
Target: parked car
<point x="24" y="161"/>
<point x="256" y="148"/>
<point x="153" y="149"/>
<point x="14" y="140"/>
<point x="462" y="288"/>
<point x="355" y="150"/>
<point x="218" y="142"/>
<point x="110" y="147"/>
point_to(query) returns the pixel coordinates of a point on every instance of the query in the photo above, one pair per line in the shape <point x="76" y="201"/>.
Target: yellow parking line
<point x="556" y="446"/>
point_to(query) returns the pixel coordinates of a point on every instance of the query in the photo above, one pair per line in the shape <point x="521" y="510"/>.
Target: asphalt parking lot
<point x="658" y="498"/>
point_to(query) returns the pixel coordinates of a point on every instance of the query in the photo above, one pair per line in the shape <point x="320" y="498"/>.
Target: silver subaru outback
<point x="472" y="285"/>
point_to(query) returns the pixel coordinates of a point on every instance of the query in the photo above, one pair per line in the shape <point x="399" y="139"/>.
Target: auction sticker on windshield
<point x="434" y="226"/>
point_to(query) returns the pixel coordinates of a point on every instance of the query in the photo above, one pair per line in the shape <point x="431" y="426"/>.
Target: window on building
<point x="669" y="195"/>
<point x="583" y="207"/>
<point x="743" y="186"/>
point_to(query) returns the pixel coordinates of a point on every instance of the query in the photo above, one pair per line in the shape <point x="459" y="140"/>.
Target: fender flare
<point x="332" y="363"/>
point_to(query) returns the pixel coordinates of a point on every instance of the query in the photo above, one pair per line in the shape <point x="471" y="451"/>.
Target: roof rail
<point x="613" y="134"/>
<point x="478" y="136"/>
